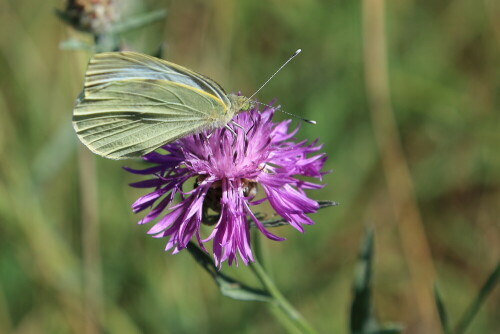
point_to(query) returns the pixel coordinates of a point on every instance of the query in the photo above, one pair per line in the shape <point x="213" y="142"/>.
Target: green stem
<point x="289" y="326"/>
<point x="280" y="301"/>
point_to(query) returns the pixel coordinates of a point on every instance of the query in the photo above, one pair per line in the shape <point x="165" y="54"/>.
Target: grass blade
<point x="471" y="312"/>
<point x="443" y="317"/>
<point x="361" y="313"/>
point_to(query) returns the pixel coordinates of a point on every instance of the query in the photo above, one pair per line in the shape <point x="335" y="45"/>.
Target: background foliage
<point x="67" y="241"/>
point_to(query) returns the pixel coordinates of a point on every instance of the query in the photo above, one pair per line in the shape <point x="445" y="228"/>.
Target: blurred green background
<point x="73" y="260"/>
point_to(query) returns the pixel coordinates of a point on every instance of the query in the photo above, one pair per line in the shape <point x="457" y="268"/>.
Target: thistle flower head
<point x="93" y="16"/>
<point x="227" y="170"/>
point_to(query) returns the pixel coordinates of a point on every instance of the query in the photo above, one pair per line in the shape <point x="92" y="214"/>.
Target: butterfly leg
<point x="238" y="126"/>
<point x="244" y="134"/>
<point x="232" y="131"/>
<point x="210" y="134"/>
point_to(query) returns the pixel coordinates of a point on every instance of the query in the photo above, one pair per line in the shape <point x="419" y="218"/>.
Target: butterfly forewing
<point x="133" y="104"/>
<point x="113" y="66"/>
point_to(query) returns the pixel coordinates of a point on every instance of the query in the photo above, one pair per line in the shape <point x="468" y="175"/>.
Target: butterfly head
<point x="240" y="103"/>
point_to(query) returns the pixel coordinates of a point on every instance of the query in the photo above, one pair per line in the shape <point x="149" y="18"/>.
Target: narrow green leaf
<point x="73" y="44"/>
<point x="326" y="204"/>
<point x="138" y="22"/>
<point x="236" y="290"/>
<point x="281" y="221"/>
<point x="272" y="222"/>
<point x="471" y="312"/>
<point x="443" y="317"/>
<point x="361" y="312"/>
<point x="228" y="286"/>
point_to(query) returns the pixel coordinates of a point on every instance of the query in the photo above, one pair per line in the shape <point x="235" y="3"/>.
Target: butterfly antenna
<point x="272" y="76"/>
<point x="310" y="121"/>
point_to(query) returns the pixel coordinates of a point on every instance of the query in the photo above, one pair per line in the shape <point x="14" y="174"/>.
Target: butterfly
<point x="133" y="103"/>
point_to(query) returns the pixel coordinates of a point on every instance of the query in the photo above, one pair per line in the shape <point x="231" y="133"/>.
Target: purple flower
<point x="227" y="170"/>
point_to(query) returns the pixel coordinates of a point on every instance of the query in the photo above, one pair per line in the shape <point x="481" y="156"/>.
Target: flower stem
<point x="280" y="301"/>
